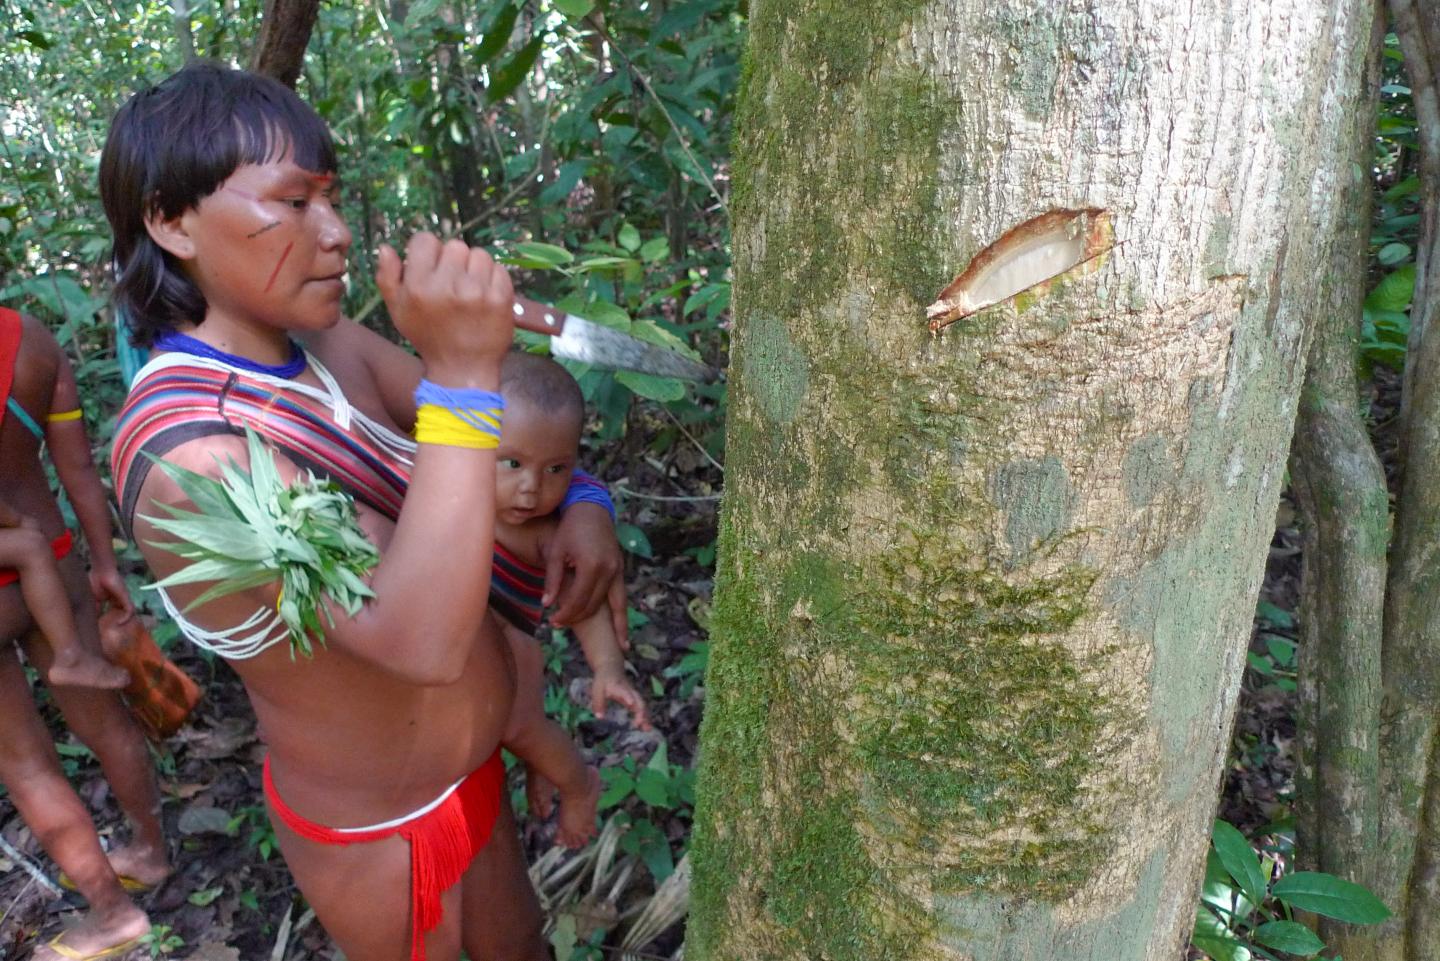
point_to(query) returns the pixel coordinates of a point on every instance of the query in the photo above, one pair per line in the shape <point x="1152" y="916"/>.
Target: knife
<point x="575" y="338"/>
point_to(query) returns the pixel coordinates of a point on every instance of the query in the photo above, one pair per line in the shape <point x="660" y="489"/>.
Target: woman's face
<point x="268" y="248"/>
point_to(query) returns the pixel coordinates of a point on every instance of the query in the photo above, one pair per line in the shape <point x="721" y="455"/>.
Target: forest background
<point x="589" y="145"/>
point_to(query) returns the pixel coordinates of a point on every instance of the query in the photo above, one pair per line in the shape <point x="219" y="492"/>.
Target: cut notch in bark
<point x="1027" y="256"/>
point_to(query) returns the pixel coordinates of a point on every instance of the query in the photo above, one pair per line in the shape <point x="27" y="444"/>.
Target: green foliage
<point x="1247" y="907"/>
<point x="252" y="528"/>
<point x="661" y="788"/>
<point x="1386" y="322"/>
<point x="1277" y="664"/>
<point x="690" y="669"/>
<point x="260" y="834"/>
<point x="536" y="128"/>
<point x="162" y="940"/>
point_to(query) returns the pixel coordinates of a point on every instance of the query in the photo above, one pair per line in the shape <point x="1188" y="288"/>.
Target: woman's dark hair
<point x="171" y="146"/>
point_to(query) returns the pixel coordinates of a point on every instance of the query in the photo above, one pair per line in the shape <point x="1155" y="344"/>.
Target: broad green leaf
<point x="653" y="333"/>
<point x="603" y="263"/>
<point x="656" y="248"/>
<point x="618" y="786"/>
<point x="1392" y="254"/>
<point x="1274" y="616"/>
<point x="652" y="787"/>
<point x="1208" y="924"/>
<point x="496" y="33"/>
<point x="207" y="494"/>
<point x="1391" y="355"/>
<point x="233" y="539"/>
<point x="651" y="387"/>
<point x="564" y="938"/>
<point x="604" y="313"/>
<point x="1281" y="649"/>
<point x="1240" y="860"/>
<point x="629" y="238"/>
<point x="633" y="539"/>
<point x="564" y="181"/>
<point x="1405" y="188"/>
<point x="205" y="896"/>
<point x="513" y="72"/>
<point x="660" y="760"/>
<point x="1289" y="936"/>
<point x="575" y="9"/>
<point x="713" y="297"/>
<point x="1221" y="948"/>
<point x="1259" y="664"/>
<point x="546" y="253"/>
<point x="1394" y="291"/>
<point x="1331" y="896"/>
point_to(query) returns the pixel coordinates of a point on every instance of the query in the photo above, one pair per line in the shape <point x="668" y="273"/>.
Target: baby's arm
<point x="602" y="653"/>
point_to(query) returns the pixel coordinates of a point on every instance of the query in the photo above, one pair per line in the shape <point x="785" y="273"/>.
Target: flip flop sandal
<point x="127" y="883"/>
<point x="65" y="951"/>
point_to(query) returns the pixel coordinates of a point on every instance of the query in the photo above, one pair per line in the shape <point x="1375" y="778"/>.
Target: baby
<point x="539" y="437"/>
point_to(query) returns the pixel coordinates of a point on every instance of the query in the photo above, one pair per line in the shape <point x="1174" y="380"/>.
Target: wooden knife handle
<point x="537" y="317"/>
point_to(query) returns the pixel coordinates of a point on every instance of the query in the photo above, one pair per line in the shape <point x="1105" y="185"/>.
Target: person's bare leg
<point x="101" y="722"/>
<point x="548" y="751"/>
<point x="501" y="914"/>
<point x="30" y="770"/>
<point x="529" y="699"/>
<point x="361" y="895"/>
<point x="28" y="552"/>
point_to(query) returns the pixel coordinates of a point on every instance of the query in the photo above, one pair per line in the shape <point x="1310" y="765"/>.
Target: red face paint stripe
<point x="276" y="272"/>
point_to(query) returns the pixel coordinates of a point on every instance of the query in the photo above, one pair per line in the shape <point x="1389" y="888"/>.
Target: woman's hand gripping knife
<point x="455" y="305"/>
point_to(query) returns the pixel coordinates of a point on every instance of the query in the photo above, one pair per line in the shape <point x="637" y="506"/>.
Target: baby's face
<point x="533" y="463"/>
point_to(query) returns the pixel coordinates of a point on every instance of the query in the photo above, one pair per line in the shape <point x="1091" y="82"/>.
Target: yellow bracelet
<point x="63" y="415"/>
<point x="438" y="425"/>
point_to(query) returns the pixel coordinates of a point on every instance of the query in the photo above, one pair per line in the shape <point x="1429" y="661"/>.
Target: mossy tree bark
<point x="1408" y="864"/>
<point x="984" y="596"/>
<point x="1340" y="488"/>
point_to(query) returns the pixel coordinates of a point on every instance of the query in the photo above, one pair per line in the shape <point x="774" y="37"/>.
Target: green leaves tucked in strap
<point x="250" y="529"/>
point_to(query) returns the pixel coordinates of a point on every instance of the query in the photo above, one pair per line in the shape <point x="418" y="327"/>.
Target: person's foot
<point x="79" y="668"/>
<point x="145" y="864"/>
<point x="97" y="936"/>
<point x="577" y="812"/>
<point x="539" y="794"/>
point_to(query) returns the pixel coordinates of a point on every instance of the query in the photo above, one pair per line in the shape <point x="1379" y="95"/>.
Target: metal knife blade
<point x="575" y="338"/>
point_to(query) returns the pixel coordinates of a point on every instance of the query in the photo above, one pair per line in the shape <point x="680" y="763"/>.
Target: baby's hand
<point x="610" y="686"/>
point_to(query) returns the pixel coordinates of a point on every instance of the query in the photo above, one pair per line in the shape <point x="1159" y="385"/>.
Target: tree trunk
<point x="1409" y="866"/>
<point x="1345" y="508"/>
<point x="284" y="33"/>
<point x="984" y="595"/>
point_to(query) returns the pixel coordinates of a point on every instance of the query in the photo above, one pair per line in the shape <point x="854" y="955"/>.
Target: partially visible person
<point x="32" y="560"/>
<point x="539" y="443"/>
<point x="37" y="387"/>
<point x="383" y="774"/>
